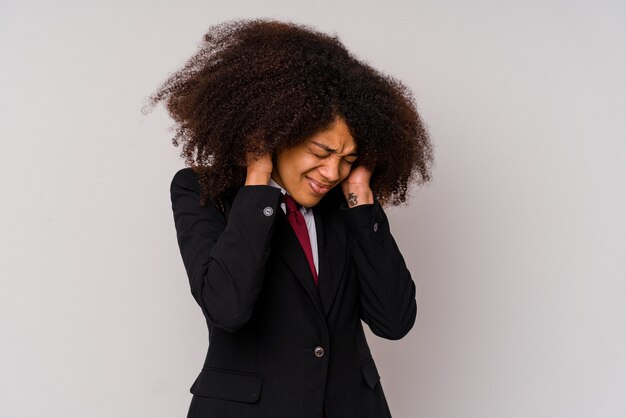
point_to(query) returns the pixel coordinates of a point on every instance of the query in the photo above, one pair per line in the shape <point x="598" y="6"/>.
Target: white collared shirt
<point x="310" y="223"/>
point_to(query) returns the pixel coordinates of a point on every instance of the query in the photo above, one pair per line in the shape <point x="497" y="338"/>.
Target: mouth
<point x="318" y="188"/>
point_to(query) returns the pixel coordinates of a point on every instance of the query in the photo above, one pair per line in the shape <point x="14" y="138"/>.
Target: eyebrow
<point x="329" y="149"/>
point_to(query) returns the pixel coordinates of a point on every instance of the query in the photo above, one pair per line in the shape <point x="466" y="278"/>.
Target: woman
<point x="283" y="263"/>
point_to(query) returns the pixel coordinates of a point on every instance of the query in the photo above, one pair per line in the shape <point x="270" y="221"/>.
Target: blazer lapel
<point x="332" y="247"/>
<point x="288" y="247"/>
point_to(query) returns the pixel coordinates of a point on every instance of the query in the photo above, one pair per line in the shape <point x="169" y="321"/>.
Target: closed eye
<point x="328" y="155"/>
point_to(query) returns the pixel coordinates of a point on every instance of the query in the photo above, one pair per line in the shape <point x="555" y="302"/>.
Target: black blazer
<point x="278" y="346"/>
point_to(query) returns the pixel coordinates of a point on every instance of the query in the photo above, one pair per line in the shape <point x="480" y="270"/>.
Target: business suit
<point x="279" y="346"/>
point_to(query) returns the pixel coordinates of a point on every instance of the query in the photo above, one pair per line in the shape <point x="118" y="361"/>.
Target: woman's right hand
<point x="259" y="169"/>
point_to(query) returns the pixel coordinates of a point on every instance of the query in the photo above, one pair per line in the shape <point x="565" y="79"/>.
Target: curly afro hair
<point x="265" y="85"/>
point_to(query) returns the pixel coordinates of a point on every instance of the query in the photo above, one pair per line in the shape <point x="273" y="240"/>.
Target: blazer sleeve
<point x="224" y="259"/>
<point x="388" y="303"/>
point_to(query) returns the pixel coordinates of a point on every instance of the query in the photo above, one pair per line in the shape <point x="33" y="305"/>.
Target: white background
<point x="517" y="247"/>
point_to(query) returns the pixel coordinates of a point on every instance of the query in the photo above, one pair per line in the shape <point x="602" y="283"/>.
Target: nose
<point x="330" y="170"/>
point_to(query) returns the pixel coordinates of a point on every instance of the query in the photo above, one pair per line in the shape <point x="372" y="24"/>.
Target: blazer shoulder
<point x="185" y="177"/>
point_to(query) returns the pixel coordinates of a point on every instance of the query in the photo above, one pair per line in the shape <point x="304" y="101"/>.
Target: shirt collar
<point x="273" y="183"/>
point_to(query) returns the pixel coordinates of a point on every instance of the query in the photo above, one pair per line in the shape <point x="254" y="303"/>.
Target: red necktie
<point x="296" y="219"/>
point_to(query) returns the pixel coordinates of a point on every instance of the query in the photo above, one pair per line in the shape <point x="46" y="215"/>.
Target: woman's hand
<point x="259" y="169"/>
<point x="356" y="187"/>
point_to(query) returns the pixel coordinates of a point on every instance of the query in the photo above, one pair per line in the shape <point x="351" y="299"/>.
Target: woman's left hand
<point x="356" y="187"/>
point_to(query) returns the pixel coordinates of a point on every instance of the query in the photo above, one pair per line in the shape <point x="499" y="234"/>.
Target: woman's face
<point x="310" y="169"/>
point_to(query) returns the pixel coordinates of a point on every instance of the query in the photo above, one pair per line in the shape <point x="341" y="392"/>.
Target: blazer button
<point x="268" y="211"/>
<point x="319" y="351"/>
<point x="375" y="226"/>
